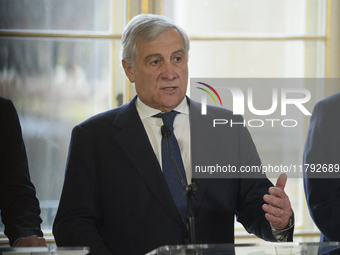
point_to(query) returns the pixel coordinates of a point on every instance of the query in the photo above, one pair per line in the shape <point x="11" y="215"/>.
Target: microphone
<point x="166" y="133"/>
<point x="189" y="190"/>
<point x="165" y="130"/>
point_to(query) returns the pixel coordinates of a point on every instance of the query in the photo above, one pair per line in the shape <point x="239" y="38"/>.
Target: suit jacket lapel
<point x="134" y="141"/>
<point x="198" y="130"/>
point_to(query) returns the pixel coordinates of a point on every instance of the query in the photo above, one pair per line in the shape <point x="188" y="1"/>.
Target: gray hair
<point x="147" y="27"/>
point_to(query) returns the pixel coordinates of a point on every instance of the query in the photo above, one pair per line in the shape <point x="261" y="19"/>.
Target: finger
<point x="277" y="192"/>
<point x="33" y="241"/>
<point x="30" y="241"/>
<point x="42" y="241"/>
<point x="277" y="212"/>
<point x="19" y="243"/>
<point x="277" y="223"/>
<point x="281" y="181"/>
<point x="274" y="201"/>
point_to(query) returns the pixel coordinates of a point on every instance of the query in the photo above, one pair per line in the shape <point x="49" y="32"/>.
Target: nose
<point x="168" y="72"/>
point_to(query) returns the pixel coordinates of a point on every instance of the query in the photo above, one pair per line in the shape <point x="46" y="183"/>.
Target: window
<point x="59" y="63"/>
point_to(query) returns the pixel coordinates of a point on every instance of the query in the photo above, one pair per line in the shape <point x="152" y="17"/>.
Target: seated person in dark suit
<point x="119" y="196"/>
<point x="18" y="204"/>
<point x="323" y="147"/>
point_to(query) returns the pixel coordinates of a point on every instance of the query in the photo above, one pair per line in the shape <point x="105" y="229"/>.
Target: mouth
<point x="169" y="88"/>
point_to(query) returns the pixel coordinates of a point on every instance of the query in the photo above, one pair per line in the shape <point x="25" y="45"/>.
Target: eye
<point x="177" y="59"/>
<point x="155" y="62"/>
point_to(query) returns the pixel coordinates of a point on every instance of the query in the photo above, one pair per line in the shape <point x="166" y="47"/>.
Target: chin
<point x="171" y="103"/>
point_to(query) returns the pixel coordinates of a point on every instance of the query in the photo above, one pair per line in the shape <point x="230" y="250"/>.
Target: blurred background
<point x="59" y="64"/>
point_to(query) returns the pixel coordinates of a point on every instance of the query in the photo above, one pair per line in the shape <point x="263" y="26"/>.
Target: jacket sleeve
<point x="19" y="206"/>
<point x="323" y="147"/>
<point x="249" y="210"/>
<point x="78" y="218"/>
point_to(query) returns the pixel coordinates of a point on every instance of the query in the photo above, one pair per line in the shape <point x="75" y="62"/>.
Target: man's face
<point x="161" y="71"/>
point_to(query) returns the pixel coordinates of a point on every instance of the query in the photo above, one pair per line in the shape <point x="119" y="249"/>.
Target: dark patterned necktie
<point x="169" y="170"/>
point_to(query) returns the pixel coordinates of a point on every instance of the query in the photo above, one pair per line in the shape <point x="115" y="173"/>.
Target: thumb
<point x="281" y="181"/>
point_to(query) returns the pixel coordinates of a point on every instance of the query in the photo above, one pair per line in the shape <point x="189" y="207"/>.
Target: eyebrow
<point x="179" y="51"/>
<point x="151" y="56"/>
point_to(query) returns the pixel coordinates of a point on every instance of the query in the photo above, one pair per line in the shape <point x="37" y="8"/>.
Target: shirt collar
<point x="145" y="111"/>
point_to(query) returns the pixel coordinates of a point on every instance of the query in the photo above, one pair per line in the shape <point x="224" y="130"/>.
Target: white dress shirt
<point x="181" y="126"/>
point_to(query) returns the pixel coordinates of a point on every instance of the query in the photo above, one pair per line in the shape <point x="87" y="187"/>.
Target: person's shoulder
<point x="329" y="104"/>
<point x="332" y="100"/>
<point x="8" y="112"/>
<point x="219" y="110"/>
<point x="6" y="103"/>
<point x="101" y="118"/>
<point x="4" y="100"/>
<point x="214" y="111"/>
<point x="97" y="125"/>
<point x="114" y="116"/>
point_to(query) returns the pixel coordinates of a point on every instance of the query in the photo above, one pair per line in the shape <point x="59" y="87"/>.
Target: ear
<point x="129" y="72"/>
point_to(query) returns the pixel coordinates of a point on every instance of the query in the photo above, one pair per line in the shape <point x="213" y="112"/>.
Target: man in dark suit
<point x="322" y="147"/>
<point x="117" y="198"/>
<point x="19" y="206"/>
